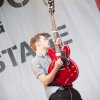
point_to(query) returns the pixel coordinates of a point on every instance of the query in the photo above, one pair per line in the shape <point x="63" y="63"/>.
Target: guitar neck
<point x="54" y="28"/>
<point x="54" y="32"/>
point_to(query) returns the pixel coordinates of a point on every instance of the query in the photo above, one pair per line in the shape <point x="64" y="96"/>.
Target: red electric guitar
<point x="68" y="73"/>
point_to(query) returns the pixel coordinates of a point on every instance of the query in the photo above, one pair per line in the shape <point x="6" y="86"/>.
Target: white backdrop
<point x="20" y="19"/>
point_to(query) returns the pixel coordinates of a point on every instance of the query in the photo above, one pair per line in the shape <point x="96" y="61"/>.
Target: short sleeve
<point x="37" y="68"/>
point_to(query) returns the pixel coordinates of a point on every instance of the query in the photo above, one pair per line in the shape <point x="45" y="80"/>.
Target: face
<point x="44" y="42"/>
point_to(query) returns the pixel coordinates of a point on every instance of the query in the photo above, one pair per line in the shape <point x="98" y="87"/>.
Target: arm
<point x="47" y="79"/>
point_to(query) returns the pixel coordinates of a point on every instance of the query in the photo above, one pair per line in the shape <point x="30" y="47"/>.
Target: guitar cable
<point x="71" y="95"/>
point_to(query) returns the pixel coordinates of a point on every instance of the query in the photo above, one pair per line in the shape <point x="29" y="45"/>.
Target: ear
<point x="37" y="43"/>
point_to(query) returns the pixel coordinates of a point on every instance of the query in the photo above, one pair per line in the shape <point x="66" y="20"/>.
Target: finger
<point x="59" y="59"/>
<point x="58" y="40"/>
<point x="61" y="62"/>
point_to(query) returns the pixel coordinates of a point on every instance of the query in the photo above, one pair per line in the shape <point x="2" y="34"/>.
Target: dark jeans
<point x="68" y="93"/>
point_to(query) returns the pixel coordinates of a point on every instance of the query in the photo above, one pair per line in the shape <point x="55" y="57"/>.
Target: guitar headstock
<point x="51" y="6"/>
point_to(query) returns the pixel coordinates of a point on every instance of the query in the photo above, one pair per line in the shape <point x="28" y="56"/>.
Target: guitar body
<point x="68" y="73"/>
